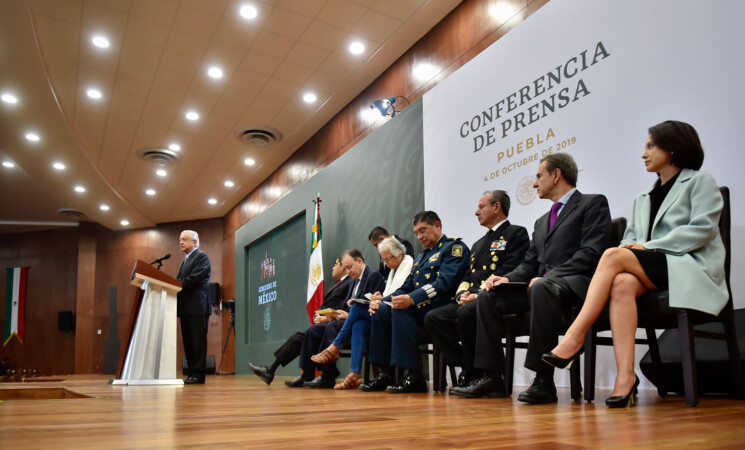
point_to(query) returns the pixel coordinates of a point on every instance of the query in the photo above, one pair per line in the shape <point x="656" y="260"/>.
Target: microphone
<point x="162" y="258"/>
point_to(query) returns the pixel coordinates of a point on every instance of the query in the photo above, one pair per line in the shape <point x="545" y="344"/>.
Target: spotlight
<point x="386" y="106"/>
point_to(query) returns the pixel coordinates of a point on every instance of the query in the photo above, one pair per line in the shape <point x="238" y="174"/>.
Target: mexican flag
<point x="315" y="269"/>
<point x="15" y="302"/>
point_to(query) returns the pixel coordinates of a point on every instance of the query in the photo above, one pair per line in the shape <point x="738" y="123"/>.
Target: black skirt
<point x="654" y="265"/>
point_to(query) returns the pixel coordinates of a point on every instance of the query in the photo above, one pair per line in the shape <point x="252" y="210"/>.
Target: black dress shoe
<point x="620" y="401"/>
<point x="466" y="379"/>
<point x="543" y="390"/>
<point x="557" y="361"/>
<point x="380" y="382"/>
<point x="321" y="382"/>
<point x="411" y="384"/>
<point x="262" y="372"/>
<point x="297" y="382"/>
<point x="194" y="380"/>
<point x="485" y="386"/>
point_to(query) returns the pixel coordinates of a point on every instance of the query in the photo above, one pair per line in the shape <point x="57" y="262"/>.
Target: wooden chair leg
<point x="366" y="365"/>
<point x="738" y="379"/>
<point x="654" y="353"/>
<point x="590" y="356"/>
<point x="436" y="369"/>
<point x="509" y="363"/>
<point x="575" y="376"/>
<point x="688" y="359"/>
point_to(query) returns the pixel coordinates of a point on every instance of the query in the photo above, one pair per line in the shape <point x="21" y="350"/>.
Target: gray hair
<point x="392" y="245"/>
<point x="194" y="235"/>
<point x="501" y="197"/>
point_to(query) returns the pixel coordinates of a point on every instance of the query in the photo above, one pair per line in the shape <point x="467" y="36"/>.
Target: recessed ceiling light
<point x="150" y="192"/>
<point x="356" y="48"/>
<point x="104" y="207"/>
<point x="9" y="98"/>
<point x="59" y="166"/>
<point x="8" y="164"/>
<point x="502" y="11"/>
<point x="309" y="97"/>
<point x="94" y="93"/>
<point x="80" y="189"/>
<point x="124" y="222"/>
<point x="249" y="161"/>
<point x="174" y="146"/>
<point x="33" y="137"/>
<point x="229" y="183"/>
<point x="100" y="41"/>
<point x="425" y="71"/>
<point x="212" y="201"/>
<point x="192" y="115"/>
<point x="214" y="72"/>
<point x="161" y="172"/>
<point x="248" y="11"/>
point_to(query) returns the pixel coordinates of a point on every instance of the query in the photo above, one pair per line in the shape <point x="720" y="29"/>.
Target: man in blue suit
<point x="193" y="305"/>
<point x="318" y="337"/>
<point x="394" y="336"/>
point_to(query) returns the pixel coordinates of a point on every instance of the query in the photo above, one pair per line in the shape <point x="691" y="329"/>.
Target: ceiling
<point x="153" y="72"/>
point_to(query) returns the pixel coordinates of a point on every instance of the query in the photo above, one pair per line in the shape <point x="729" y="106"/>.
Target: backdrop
<point x="588" y="78"/>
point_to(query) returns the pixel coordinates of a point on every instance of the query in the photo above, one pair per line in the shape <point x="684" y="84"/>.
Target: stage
<point x="243" y="412"/>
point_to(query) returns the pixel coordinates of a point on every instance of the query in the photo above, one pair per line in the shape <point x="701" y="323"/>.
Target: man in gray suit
<point x="566" y="247"/>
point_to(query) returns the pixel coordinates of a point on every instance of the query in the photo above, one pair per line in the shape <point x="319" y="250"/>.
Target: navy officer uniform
<point x="432" y="283"/>
<point x="501" y="250"/>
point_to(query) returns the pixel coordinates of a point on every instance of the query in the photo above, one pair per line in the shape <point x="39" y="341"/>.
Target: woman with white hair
<point x="357" y="325"/>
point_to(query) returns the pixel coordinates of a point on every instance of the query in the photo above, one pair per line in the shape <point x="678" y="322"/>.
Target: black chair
<point x="655" y="312"/>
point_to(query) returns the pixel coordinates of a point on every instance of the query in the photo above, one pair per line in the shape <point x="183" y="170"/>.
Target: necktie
<point x="554" y="214"/>
<point x="336" y="284"/>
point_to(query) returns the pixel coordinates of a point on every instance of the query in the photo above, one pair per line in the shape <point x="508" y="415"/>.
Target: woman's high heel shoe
<point x="559" y="362"/>
<point x="620" y="401"/>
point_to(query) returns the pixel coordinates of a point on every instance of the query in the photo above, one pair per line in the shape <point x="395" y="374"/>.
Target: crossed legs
<point x="620" y="279"/>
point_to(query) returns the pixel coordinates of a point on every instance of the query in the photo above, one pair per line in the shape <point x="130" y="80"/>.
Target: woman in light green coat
<point x="682" y="251"/>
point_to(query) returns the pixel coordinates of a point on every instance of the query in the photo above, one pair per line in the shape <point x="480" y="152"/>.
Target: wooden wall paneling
<point x="85" y="304"/>
<point x="51" y="287"/>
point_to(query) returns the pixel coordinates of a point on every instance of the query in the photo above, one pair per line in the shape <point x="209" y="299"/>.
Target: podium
<point x="150" y="356"/>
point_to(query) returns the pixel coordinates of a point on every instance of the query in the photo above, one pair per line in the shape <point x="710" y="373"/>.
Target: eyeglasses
<point x="388" y="259"/>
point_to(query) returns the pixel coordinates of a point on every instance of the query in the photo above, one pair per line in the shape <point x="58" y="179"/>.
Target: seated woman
<point x="672" y="242"/>
<point x="393" y="254"/>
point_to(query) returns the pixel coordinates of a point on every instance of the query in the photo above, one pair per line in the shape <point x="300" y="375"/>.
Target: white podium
<point x="150" y="356"/>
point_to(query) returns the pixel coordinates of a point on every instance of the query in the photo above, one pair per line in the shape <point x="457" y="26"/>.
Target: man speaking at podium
<point x="193" y="304"/>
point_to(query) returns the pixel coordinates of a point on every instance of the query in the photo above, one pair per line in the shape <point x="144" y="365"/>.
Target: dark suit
<point x="565" y="257"/>
<point x="335" y="297"/>
<point x="385" y="270"/>
<point x="321" y="335"/>
<point x="432" y="282"/>
<point x="498" y="252"/>
<point x="194" y="309"/>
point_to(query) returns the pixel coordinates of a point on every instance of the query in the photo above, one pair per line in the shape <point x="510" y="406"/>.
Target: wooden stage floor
<point x="242" y="412"/>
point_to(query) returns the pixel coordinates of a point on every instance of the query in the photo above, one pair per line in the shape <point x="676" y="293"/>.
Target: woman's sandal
<point x="352" y="381"/>
<point x="326" y="356"/>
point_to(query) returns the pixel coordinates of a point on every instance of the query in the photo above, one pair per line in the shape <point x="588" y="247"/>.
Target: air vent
<point x="258" y="136"/>
<point x="72" y="213"/>
<point x="158" y="155"/>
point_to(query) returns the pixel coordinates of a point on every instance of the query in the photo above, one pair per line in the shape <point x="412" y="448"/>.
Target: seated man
<point x="376" y="236"/>
<point x="319" y="337"/>
<point x="497" y="253"/>
<point x="334" y="298"/>
<point x="397" y="317"/>
<point x="567" y="244"/>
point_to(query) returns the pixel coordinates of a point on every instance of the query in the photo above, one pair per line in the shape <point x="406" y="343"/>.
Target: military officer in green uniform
<point x="500" y="251"/>
<point x="395" y="326"/>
